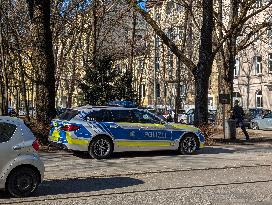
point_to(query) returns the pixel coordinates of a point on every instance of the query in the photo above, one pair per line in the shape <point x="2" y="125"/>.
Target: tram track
<point x="95" y="194"/>
<point x="169" y="171"/>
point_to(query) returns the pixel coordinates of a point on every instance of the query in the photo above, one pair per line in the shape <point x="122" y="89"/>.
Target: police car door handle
<point x="114" y="126"/>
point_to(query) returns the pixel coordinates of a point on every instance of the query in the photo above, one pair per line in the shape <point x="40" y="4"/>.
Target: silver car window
<point x="269" y="115"/>
<point x="6" y="131"/>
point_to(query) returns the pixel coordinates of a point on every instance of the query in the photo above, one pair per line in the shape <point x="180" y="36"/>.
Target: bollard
<point x="230" y="129"/>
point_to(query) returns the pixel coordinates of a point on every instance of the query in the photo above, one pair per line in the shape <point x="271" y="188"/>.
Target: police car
<point x="102" y="130"/>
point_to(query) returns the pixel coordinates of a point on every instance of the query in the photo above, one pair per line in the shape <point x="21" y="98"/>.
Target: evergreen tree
<point x="104" y="83"/>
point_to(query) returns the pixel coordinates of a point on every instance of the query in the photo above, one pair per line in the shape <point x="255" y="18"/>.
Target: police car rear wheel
<point x="101" y="148"/>
<point x="188" y="144"/>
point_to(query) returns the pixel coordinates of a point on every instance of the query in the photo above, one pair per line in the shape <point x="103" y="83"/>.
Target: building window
<point x="258" y="65"/>
<point x="270" y="62"/>
<point x="269" y="33"/>
<point x="237" y="67"/>
<point x="158" y="17"/>
<point x="171" y="33"/>
<point x="142" y="90"/>
<point x="118" y="68"/>
<point x="259" y="99"/>
<point x="259" y="3"/>
<point x="182" y="90"/>
<point x="169" y="7"/>
<point x="170" y="60"/>
<point x="157" y="63"/>
<point x="179" y="7"/>
<point x="179" y="33"/>
<point x="210" y="101"/>
<point x="158" y="90"/>
<point x="157" y="41"/>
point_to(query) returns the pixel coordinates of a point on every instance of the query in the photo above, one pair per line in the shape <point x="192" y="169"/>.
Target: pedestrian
<point x="238" y="115"/>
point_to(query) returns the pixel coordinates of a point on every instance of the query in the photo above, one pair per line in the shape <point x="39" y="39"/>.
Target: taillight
<point x="70" y="128"/>
<point x="36" y="145"/>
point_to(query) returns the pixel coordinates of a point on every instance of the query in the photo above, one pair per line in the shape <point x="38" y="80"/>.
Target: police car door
<point x="154" y="135"/>
<point x="124" y="129"/>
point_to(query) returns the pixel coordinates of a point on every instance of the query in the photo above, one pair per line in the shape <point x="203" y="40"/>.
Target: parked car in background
<point x="21" y="169"/>
<point x="182" y="117"/>
<point x="32" y="111"/>
<point x="188" y="117"/>
<point x="252" y="113"/>
<point x="12" y="112"/>
<point x="263" y="123"/>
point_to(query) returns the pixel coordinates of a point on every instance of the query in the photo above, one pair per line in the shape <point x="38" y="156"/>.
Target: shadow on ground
<point x="244" y="142"/>
<point x="216" y="150"/>
<point x="166" y="153"/>
<point x="75" y="185"/>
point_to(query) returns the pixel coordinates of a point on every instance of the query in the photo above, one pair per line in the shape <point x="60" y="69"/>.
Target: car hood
<point x="184" y="127"/>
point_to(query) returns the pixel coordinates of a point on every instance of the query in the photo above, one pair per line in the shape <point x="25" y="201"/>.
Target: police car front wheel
<point x="101" y="148"/>
<point x="188" y="144"/>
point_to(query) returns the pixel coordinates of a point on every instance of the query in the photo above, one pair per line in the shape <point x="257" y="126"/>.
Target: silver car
<point x="262" y="123"/>
<point x="21" y="169"/>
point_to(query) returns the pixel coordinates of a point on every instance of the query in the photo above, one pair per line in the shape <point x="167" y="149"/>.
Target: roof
<point x="13" y="120"/>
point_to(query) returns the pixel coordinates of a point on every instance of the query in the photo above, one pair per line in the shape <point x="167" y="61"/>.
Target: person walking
<point x="238" y="115"/>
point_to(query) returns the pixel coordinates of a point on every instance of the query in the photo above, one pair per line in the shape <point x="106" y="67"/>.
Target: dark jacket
<point x="238" y="113"/>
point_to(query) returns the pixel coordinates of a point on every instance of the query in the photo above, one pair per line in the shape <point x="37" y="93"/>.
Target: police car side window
<point x="6" y="131"/>
<point x="95" y="115"/>
<point x="99" y="116"/>
<point x="122" y="116"/>
<point x="145" y="117"/>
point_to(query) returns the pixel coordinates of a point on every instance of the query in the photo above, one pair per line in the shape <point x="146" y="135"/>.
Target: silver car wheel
<point x="22" y="182"/>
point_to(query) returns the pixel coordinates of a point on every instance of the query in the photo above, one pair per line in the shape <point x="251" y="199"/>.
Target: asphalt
<point x="229" y="172"/>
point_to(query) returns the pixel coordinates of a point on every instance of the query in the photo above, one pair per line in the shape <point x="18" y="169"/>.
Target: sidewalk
<point x="256" y="136"/>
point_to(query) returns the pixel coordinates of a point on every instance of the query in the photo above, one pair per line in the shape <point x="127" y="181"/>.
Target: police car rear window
<point x="68" y="115"/>
<point x="6" y="131"/>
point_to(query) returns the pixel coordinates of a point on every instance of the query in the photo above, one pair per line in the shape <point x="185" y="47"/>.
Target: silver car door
<point x="267" y="119"/>
<point x="9" y="138"/>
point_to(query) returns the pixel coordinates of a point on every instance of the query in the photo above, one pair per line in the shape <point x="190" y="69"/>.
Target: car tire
<point x="255" y="126"/>
<point x="101" y="148"/>
<point x="188" y="144"/>
<point x="22" y="182"/>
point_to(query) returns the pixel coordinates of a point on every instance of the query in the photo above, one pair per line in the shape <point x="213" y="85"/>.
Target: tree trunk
<point x="95" y="35"/>
<point x="3" y="71"/>
<point x="229" y="57"/>
<point x="203" y="69"/>
<point x="130" y="83"/>
<point x="22" y="83"/>
<point x="43" y="59"/>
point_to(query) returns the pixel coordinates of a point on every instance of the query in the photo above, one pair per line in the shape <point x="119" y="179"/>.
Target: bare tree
<point x="43" y="59"/>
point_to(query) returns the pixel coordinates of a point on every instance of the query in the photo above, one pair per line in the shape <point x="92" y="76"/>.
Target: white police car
<point x="102" y="130"/>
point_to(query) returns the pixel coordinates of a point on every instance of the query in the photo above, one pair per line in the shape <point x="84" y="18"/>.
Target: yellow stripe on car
<point x="201" y="145"/>
<point x="71" y="140"/>
<point x="187" y="127"/>
<point x="143" y="144"/>
<point x="55" y="135"/>
<point x="141" y="124"/>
